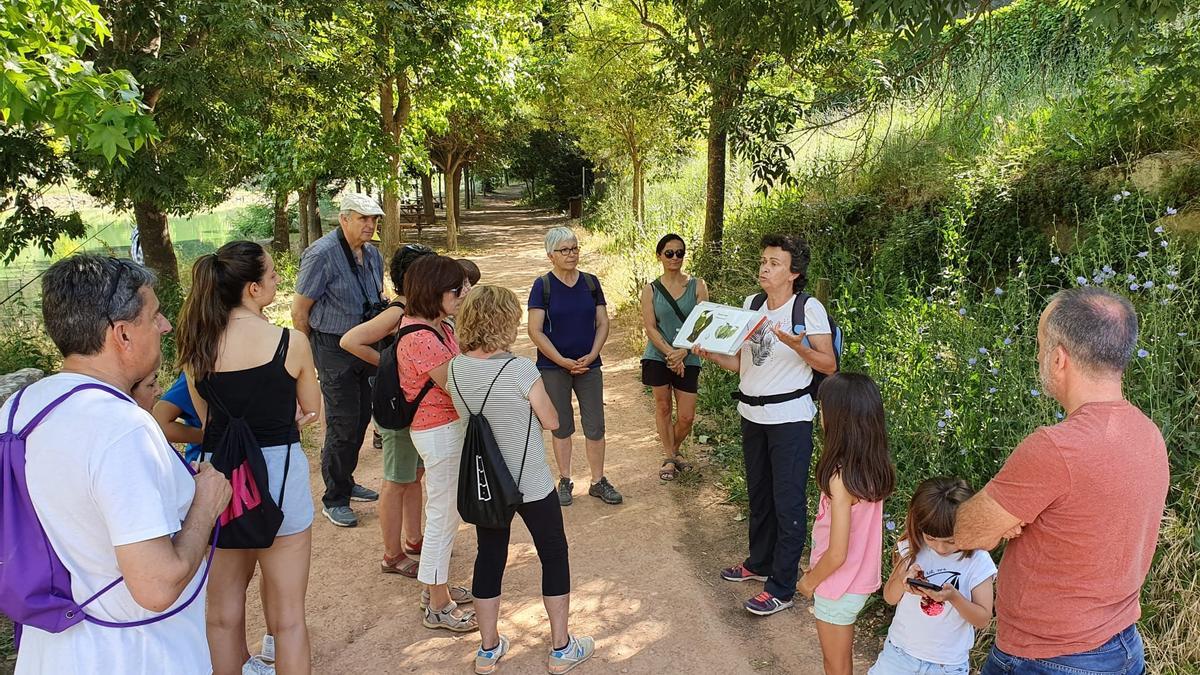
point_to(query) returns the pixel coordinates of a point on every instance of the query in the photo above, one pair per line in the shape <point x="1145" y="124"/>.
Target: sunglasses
<point x="572" y="250"/>
<point x="112" y="292"/>
<point x="461" y="290"/>
<point x="675" y="254"/>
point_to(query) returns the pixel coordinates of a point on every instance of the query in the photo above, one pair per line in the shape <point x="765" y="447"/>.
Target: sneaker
<point x="765" y="604"/>
<point x="342" y="516"/>
<point x="256" y="666"/>
<point x="486" y="660"/>
<point x="464" y="622"/>
<point x="459" y="594"/>
<point x="605" y="491"/>
<point x="576" y="652"/>
<point x="739" y="573"/>
<point x="564" y="491"/>
<point x="359" y="493"/>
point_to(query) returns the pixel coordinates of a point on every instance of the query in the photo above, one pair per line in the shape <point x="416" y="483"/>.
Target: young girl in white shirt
<point x="933" y="630"/>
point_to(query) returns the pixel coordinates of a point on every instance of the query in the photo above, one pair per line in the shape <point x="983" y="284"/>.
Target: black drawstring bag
<point x="487" y="494"/>
<point x="252" y="518"/>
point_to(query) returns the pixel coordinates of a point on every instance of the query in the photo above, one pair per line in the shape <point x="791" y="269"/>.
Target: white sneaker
<point x="268" y="648"/>
<point x="256" y="666"/>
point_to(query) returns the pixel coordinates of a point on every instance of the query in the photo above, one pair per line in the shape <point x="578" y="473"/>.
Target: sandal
<point x="413" y="549"/>
<point x="668" y="474"/>
<point x="680" y="465"/>
<point x="462" y="622"/>
<point x="404" y="566"/>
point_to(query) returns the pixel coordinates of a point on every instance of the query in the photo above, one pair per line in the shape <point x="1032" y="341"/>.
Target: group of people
<point x="1079" y="503"/>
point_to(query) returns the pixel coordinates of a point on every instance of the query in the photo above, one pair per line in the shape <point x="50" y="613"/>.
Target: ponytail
<point x="218" y="281"/>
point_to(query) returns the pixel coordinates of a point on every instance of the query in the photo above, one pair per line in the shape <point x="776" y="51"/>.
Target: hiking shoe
<point x="765" y="604"/>
<point x="459" y="594"/>
<point x="605" y="491"/>
<point x="576" y="652"/>
<point x="564" y="491"/>
<point x="359" y="493"/>
<point x="445" y="618"/>
<point x="486" y="659"/>
<point x="739" y="573"/>
<point x="342" y="516"/>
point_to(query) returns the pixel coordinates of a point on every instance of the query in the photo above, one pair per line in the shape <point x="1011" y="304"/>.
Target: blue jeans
<point x="1124" y="654"/>
<point x="895" y="661"/>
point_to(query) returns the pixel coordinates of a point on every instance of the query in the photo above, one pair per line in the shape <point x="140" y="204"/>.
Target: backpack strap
<point x="525" y="453"/>
<point x="657" y="285"/>
<point x="489" y="389"/>
<point x="757" y="301"/>
<point x="593" y="285"/>
<point x="798" y="310"/>
<point x="408" y="330"/>
<point x="546" y="292"/>
<point x="37" y="419"/>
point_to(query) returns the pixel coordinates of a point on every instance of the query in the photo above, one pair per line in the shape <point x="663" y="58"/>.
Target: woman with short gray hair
<point x="568" y="322"/>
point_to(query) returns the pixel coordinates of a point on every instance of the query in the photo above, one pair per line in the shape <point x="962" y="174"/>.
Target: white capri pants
<point x="440" y="448"/>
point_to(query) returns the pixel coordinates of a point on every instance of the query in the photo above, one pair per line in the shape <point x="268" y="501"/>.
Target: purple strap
<point x="28" y="429"/>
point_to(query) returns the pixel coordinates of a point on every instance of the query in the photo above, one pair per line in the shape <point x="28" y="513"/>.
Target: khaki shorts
<point x="400" y="458"/>
<point x="589" y="390"/>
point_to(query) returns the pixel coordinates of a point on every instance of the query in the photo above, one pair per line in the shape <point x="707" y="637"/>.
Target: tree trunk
<point x="427" y="198"/>
<point x="155" y="237"/>
<point x="314" y="213"/>
<point x="639" y="180"/>
<point x="282" y="242"/>
<point x="455" y="187"/>
<point x="467" y="184"/>
<point x="454" y="174"/>
<point x="714" y="200"/>
<point x="302" y="218"/>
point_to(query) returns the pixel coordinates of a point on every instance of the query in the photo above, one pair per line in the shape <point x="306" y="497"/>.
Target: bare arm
<point x="537" y="318"/>
<point x="308" y="390"/>
<point x="701" y="290"/>
<point x="543" y="407"/>
<point x="897" y="583"/>
<point x="158" y="570"/>
<point x="650" y="321"/>
<point x="839" y="538"/>
<point x="730" y="362"/>
<point x="981" y="523"/>
<point x="360" y="340"/>
<point x="167" y="415"/>
<point x="301" y="306"/>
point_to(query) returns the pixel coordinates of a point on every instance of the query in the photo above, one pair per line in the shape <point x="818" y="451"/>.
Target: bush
<point x="256" y="221"/>
<point x="23" y="344"/>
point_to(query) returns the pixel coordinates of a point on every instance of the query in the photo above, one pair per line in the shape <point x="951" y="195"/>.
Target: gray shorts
<point x="589" y="389"/>
<point x="297" y="498"/>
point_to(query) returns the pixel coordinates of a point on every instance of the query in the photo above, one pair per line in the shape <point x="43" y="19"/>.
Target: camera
<point x="373" y="309"/>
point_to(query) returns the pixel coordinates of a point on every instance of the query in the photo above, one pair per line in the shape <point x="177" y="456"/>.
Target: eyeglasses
<point x="675" y="253"/>
<point x="570" y="250"/>
<point x="112" y="292"/>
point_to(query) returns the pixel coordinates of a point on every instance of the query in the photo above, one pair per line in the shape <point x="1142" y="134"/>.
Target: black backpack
<point x="817" y="377"/>
<point x="388" y="405"/>
<point x="252" y="518"/>
<point x="487" y="494"/>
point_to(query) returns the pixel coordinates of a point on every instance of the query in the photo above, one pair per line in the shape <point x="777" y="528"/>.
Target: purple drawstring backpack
<point x="35" y="586"/>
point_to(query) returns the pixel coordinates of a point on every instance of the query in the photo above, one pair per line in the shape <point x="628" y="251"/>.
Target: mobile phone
<point x="921" y="583"/>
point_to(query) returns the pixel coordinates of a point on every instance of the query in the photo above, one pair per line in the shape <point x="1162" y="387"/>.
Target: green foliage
<point x="23" y="344"/>
<point x="256" y="221"/>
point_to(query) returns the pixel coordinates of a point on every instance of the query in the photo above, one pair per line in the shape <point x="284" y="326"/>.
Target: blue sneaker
<point x="576" y="652"/>
<point x="486" y="660"/>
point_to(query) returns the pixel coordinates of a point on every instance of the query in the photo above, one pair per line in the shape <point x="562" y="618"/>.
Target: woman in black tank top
<point x="240" y="367"/>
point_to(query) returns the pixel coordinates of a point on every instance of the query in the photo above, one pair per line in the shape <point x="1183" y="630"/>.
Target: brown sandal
<point x="415" y="548"/>
<point x="668" y="474"/>
<point x="404" y="566"/>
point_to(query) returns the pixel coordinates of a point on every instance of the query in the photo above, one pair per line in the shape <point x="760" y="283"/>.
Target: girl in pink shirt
<point x="855" y="475"/>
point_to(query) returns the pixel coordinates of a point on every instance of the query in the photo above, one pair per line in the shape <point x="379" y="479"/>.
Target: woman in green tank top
<point x="672" y="373"/>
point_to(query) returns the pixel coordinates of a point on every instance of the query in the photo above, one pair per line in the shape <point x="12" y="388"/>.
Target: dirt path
<point x="644" y="574"/>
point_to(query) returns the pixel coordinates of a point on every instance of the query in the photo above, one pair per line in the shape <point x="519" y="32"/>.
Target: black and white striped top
<point x="508" y="413"/>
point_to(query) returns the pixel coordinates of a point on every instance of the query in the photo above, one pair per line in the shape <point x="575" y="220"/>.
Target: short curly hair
<point x="488" y="319"/>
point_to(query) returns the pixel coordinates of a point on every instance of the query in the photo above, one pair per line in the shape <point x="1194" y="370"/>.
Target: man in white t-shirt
<point x="775" y="401"/>
<point x="110" y="493"/>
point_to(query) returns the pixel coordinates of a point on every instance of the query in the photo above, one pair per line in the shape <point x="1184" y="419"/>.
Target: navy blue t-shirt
<point x="571" y="319"/>
<point x="179" y="396"/>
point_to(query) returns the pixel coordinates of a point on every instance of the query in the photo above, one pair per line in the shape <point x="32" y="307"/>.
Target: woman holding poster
<point x="775" y="400"/>
<point x="671" y="372"/>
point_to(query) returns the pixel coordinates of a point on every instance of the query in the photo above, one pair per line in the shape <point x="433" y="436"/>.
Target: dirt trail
<point x="644" y="574"/>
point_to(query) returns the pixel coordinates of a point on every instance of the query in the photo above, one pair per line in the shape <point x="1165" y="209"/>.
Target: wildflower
<point x="998" y="291"/>
<point x="1058" y="415"/>
<point x="1082" y="281"/>
<point x="890" y="525"/>
<point x="1158" y="230"/>
<point x="994" y="371"/>
<point x="929" y="298"/>
<point x="1142" y="353"/>
<point x="941" y="424"/>
<point x="1143" y="254"/>
<point x="1130" y="277"/>
<point x="962" y="451"/>
<point x="1035" y="393"/>
<point x="971" y="361"/>
<point x="1163" y="243"/>
<point x="1183" y="334"/>
<point x="1171" y="211"/>
<point x="1124" y="193"/>
<point x="1098" y="278"/>
<point x="1055" y="260"/>
<point x="1164" y="301"/>
<point x="948" y="413"/>
<point x="1007" y="341"/>
<point x="1171" y="287"/>
<point x="983" y="350"/>
<point x="1116" y="198"/>
<point x="1134" y="286"/>
<point x="962" y="312"/>
<point x="1172" y="272"/>
<point x="991" y="390"/>
<point x="1148" y="284"/>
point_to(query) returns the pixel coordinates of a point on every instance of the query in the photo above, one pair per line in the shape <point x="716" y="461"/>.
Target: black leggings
<point x="545" y="523"/>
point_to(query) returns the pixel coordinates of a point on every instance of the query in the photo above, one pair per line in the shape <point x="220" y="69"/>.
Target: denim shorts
<point x="895" y="661"/>
<point x="1123" y="654"/>
<point x="841" y="612"/>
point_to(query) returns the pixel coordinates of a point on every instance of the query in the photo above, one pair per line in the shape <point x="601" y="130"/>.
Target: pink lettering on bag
<point x="245" y="494"/>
